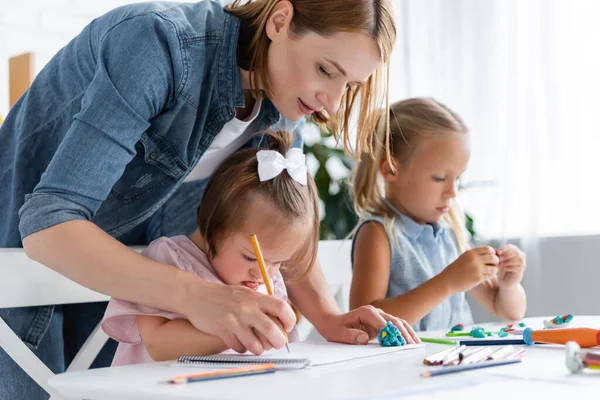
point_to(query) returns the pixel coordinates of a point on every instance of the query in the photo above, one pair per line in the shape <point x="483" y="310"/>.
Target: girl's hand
<point x="471" y="268"/>
<point x="512" y="265"/>
<point x="361" y="325"/>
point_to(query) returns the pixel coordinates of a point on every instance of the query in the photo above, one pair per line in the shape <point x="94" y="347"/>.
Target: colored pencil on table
<point x="439" y="341"/>
<point x="502" y="353"/>
<point x="461" y="368"/>
<point x="263" y="271"/>
<point x="457" y="334"/>
<point x="454" y="357"/>
<point x="224" y="373"/>
<point x="477" y="356"/>
<point x="517" y="354"/>
<point x="491" y="342"/>
<point x="437" y="358"/>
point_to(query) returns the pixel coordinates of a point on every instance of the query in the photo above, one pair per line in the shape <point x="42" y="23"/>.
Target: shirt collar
<point x="413" y="229"/>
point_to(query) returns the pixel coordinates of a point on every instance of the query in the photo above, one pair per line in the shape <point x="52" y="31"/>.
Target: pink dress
<point x="120" y="317"/>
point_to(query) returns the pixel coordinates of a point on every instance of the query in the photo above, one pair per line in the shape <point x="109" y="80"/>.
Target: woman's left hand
<point x="361" y="325"/>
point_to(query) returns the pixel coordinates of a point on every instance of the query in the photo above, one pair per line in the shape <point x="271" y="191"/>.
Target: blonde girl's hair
<point x="374" y="18"/>
<point x="410" y="121"/>
<point x="235" y="184"/>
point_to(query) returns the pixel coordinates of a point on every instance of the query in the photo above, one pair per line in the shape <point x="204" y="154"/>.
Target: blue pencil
<point x="498" y="342"/>
<point x="460" y="368"/>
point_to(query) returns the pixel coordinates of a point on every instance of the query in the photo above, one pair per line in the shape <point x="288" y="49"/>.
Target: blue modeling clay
<point x="457" y="328"/>
<point x="478" y="332"/>
<point x="567" y="318"/>
<point x="522" y="324"/>
<point x="502" y="333"/>
<point x="390" y="336"/>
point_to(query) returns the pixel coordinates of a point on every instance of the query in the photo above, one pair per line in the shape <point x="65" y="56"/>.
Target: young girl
<point x="410" y="254"/>
<point x="250" y="193"/>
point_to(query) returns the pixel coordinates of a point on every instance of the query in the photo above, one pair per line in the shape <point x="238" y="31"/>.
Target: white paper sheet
<point x="324" y="353"/>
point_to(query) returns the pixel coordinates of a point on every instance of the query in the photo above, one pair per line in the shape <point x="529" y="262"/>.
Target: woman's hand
<point x="361" y="325"/>
<point x="243" y="318"/>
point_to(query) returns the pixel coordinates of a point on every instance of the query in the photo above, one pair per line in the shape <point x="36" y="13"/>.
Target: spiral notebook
<point x="236" y="360"/>
<point x="303" y="354"/>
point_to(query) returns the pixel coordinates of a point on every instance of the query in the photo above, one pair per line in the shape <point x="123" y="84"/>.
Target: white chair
<point x="27" y="283"/>
<point x="334" y="256"/>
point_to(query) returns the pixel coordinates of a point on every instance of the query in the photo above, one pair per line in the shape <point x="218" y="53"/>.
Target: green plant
<point x="335" y="192"/>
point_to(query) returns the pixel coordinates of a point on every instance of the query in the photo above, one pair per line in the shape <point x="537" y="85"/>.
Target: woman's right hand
<point x="243" y="318"/>
<point x="471" y="268"/>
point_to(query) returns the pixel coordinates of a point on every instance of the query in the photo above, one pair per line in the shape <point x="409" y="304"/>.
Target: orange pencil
<point x="263" y="271"/>
<point x="224" y="373"/>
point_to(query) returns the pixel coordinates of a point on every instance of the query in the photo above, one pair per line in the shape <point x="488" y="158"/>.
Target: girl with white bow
<point x="253" y="191"/>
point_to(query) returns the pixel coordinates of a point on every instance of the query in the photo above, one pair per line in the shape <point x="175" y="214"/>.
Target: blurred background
<point x="524" y="77"/>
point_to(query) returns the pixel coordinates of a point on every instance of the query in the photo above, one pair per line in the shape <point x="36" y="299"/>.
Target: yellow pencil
<point x="263" y="271"/>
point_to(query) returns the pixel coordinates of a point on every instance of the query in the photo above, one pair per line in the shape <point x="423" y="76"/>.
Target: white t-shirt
<point x="231" y="138"/>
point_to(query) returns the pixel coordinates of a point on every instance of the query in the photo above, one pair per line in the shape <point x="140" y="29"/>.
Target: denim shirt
<point x="422" y="252"/>
<point x="114" y="122"/>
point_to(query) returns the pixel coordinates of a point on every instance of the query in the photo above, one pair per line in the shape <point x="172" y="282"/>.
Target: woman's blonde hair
<point x="234" y="185"/>
<point x="374" y="18"/>
<point x="410" y="121"/>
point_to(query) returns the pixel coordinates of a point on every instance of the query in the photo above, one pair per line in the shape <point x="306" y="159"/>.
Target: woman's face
<point x="311" y="72"/>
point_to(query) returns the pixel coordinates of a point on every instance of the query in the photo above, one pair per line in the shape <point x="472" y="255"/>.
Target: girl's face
<point x="235" y="261"/>
<point x="426" y="186"/>
<point x="312" y="72"/>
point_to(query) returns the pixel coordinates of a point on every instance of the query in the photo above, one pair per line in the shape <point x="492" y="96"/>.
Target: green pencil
<point x="439" y="341"/>
<point x="456" y="334"/>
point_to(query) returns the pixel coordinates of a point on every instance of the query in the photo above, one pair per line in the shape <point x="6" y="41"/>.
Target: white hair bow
<point x="271" y="163"/>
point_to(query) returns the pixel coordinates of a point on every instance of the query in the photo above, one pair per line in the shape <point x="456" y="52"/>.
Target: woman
<point x="125" y="124"/>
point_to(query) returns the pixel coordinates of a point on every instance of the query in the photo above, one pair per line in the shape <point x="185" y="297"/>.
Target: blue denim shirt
<point x="114" y="122"/>
<point x="420" y="252"/>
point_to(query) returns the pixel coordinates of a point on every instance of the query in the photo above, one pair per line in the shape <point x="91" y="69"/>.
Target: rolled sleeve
<point x="133" y="80"/>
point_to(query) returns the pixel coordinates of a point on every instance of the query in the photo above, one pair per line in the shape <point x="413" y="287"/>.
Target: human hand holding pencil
<point x="265" y="276"/>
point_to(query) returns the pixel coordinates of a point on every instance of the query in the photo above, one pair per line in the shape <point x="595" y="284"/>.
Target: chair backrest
<point x="27" y="283"/>
<point x="334" y="256"/>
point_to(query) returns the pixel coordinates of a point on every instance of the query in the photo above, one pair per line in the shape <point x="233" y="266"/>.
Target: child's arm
<point x="505" y="297"/>
<point x="167" y="339"/>
<point x="371" y="273"/>
<point x="370" y="278"/>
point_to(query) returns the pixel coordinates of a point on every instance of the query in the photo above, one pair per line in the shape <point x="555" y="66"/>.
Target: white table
<point x="385" y="377"/>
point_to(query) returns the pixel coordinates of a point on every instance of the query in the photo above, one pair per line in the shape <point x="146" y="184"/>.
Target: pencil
<point x="439" y="341"/>
<point x="263" y="271"/>
<point x="437" y="358"/>
<point x="224" y="373"/>
<point x="492" y="342"/>
<point x="460" y="368"/>
<point x="456" y="334"/>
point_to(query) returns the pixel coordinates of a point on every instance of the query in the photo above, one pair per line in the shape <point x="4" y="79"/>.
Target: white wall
<point x="567" y="280"/>
<point x="44" y="27"/>
<point x="569" y="273"/>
